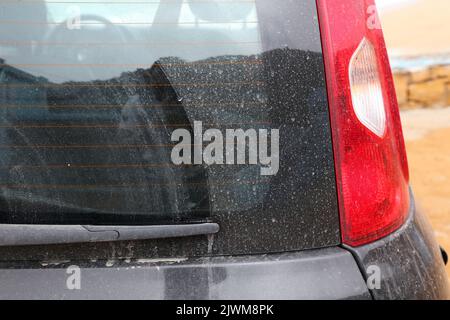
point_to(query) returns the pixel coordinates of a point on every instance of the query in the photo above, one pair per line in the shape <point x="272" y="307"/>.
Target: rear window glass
<point x="117" y="112"/>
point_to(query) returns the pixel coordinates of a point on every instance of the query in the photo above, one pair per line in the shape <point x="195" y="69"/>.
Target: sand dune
<point x="416" y="27"/>
<point x="426" y="132"/>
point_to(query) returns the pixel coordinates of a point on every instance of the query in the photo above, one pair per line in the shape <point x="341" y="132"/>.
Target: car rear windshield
<point x="145" y="112"/>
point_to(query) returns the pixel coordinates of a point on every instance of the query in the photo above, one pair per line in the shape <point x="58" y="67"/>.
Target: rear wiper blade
<point x="28" y="234"/>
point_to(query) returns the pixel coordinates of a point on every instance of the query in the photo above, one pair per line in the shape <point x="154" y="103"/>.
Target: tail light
<point x="371" y="166"/>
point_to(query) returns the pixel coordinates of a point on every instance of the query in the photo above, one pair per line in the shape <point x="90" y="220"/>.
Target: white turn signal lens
<point x="365" y="87"/>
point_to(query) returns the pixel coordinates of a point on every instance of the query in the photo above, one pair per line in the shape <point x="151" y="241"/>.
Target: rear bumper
<point x="409" y="262"/>
<point x="327" y="273"/>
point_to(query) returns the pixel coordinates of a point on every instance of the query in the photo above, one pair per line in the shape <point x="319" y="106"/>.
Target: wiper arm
<point x="28" y="234"/>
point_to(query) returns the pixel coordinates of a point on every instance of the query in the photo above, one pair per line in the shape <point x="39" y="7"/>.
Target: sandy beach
<point x="420" y="29"/>
<point x="416" y="27"/>
<point x="427" y="134"/>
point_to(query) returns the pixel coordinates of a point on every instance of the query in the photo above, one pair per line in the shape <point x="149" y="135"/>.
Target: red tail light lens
<point x="371" y="166"/>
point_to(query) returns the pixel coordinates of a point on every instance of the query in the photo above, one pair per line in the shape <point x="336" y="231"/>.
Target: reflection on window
<point x="51" y="38"/>
<point x="144" y="12"/>
<point x="87" y="110"/>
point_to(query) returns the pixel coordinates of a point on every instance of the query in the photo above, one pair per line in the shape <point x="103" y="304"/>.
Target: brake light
<point x="370" y="158"/>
